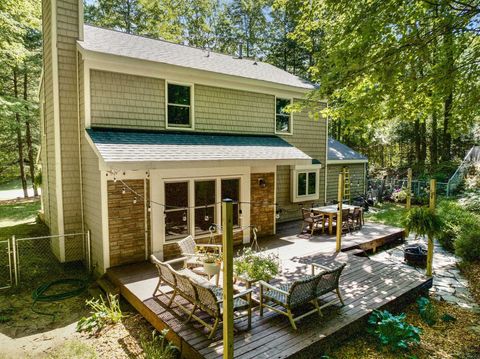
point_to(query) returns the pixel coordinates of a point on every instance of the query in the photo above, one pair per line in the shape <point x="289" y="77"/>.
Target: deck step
<point x="107" y="286"/>
<point x="357" y="252"/>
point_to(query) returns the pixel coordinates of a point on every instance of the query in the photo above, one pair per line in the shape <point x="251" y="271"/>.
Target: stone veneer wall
<point x="262" y="208"/>
<point x="126" y="223"/>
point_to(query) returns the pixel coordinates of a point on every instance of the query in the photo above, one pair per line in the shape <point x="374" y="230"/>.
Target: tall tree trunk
<point x="448" y="101"/>
<point x="434" y="140"/>
<point x="423" y="143"/>
<point x="19" y="137"/>
<point x="28" y="136"/>
<point x="447" y="137"/>
<point x="416" y="134"/>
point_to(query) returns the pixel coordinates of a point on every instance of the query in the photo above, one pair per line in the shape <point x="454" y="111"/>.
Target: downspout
<point x="79" y="137"/>
<point x="326" y="162"/>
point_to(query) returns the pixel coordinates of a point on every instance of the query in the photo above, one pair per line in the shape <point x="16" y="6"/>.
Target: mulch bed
<point x="458" y="339"/>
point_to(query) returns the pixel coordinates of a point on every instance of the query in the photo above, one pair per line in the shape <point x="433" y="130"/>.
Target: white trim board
<point x="345" y="162"/>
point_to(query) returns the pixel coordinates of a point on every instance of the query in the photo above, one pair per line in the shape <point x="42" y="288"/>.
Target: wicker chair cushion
<point x="278" y="297"/>
<point x="238" y="303"/>
<point x="187" y="245"/>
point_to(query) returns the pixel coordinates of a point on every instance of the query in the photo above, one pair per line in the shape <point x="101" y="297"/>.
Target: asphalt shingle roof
<point x="139" y="146"/>
<point x="339" y="151"/>
<point x="122" y="44"/>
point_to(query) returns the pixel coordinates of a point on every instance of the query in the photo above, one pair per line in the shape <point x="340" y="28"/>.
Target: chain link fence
<point x="383" y="189"/>
<point x="26" y="262"/>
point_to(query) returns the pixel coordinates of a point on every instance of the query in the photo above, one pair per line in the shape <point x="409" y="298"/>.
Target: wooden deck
<point x="366" y="285"/>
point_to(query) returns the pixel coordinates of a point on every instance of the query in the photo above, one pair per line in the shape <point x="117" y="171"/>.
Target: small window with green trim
<point x="283" y="119"/>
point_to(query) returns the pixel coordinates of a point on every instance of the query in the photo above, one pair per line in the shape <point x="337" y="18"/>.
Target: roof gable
<point x="138" y="47"/>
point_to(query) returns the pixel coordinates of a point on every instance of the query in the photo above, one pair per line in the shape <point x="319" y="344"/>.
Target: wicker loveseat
<point x="200" y="293"/>
<point x="284" y="298"/>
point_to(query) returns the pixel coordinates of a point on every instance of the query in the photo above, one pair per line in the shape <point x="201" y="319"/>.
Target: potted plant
<point x="211" y="262"/>
<point x="423" y="221"/>
<point x="256" y="265"/>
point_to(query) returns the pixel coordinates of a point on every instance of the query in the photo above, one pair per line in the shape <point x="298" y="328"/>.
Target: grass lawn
<point x="19" y="219"/>
<point x="387" y="213"/>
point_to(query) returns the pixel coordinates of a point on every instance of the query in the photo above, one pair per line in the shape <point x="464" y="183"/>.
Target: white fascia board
<point x="151" y="165"/>
<point x="345" y="162"/>
<point x="132" y="66"/>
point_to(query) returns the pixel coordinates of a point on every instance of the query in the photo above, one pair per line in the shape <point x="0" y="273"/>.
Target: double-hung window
<point x="176" y="210"/>
<point x="204" y="205"/>
<point x="305" y="183"/>
<point x="179" y="106"/>
<point x="283" y="119"/>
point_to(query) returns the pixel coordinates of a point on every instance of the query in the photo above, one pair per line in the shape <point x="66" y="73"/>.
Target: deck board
<point x="366" y="285"/>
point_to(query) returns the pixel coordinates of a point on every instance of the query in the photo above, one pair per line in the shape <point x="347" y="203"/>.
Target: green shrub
<point x="423" y="221"/>
<point x="471" y="201"/>
<point x="103" y="313"/>
<point x="455" y="220"/>
<point x="467" y="245"/>
<point x="158" y="347"/>
<point x="427" y="310"/>
<point x="392" y="331"/>
<point x="256" y="265"/>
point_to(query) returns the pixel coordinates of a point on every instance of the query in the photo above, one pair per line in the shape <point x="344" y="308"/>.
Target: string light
<point x="184" y="217"/>
<point x="149" y="209"/>
<point x="240" y="216"/>
<point x="135" y="200"/>
<point x="123" y="190"/>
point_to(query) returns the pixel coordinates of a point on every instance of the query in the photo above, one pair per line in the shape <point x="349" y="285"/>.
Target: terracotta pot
<point x="211" y="268"/>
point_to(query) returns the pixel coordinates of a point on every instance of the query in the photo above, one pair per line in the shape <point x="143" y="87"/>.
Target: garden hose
<point x="39" y="295"/>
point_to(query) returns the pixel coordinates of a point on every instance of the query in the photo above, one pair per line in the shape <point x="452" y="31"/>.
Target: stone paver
<point x="448" y="283"/>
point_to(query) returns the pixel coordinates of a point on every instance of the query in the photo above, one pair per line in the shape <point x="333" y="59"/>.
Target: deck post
<point x="339" y="213"/>
<point x="227" y="239"/>
<point x="409" y="190"/>
<point x="433" y="197"/>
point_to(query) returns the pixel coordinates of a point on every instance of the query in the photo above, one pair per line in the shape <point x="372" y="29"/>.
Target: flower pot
<point x="211" y="268"/>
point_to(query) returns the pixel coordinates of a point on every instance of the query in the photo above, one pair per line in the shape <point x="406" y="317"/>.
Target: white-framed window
<point x="193" y="213"/>
<point x="305" y="183"/>
<point x="179" y="107"/>
<point x="283" y="119"/>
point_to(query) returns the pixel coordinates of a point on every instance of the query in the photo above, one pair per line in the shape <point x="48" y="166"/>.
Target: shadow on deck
<point x="366" y="285"/>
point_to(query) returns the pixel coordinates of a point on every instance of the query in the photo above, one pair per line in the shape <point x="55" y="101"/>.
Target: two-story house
<point x="142" y="138"/>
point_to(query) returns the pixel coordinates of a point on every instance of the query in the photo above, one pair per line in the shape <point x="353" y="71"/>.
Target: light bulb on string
<point x="114" y="179"/>
<point x="135" y="200"/>
<point x="149" y="208"/>
<point x="123" y="190"/>
<point x="277" y="216"/>
<point x="184" y="217"/>
<point x="240" y="215"/>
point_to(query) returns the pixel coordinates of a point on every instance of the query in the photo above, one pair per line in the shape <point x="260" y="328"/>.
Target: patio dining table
<point x="331" y="212"/>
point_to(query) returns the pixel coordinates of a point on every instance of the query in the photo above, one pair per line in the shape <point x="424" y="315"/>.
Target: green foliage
<point x="389" y="214"/>
<point x="399" y="195"/>
<point x="256" y="265"/>
<point x="427" y="311"/>
<point x="467" y="245"/>
<point x="103" y="313"/>
<point x="471" y="201"/>
<point x="158" y="347"/>
<point x="423" y="221"/>
<point x="455" y="220"/>
<point x="392" y="331"/>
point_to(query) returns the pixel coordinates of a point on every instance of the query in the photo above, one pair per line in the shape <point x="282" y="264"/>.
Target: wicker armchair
<point x="328" y="281"/>
<point x="290" y="296"/>
<point x="165" y="276"/>
<point x="312" y="221"/>
<point x="210" y="300"/>
<point x="189" y="249"/>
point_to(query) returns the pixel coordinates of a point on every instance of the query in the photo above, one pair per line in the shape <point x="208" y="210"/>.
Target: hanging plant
<point x="423" y="221"/>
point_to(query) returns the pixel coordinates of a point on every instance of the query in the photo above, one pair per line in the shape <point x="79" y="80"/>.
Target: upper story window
<point x="283" y="119"/>
<point x="179" y="106"/>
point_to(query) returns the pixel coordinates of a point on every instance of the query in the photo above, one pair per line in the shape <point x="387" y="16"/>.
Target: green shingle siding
<point x="357" y="180"/>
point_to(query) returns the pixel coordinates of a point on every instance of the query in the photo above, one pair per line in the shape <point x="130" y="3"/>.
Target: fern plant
<point x="423" y="221"/>
<point x="102" y="313"/>
<point x="427" y="311"/>
<point x="392" y="331"/>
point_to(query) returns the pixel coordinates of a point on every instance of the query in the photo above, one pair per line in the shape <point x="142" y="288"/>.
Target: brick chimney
<point x="62" y="23"/>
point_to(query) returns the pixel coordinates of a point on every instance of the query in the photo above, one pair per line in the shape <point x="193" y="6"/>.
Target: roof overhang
<point x="133" y="66"/>
<point x="346" y="161"/>
<point x="134" y="150"/>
